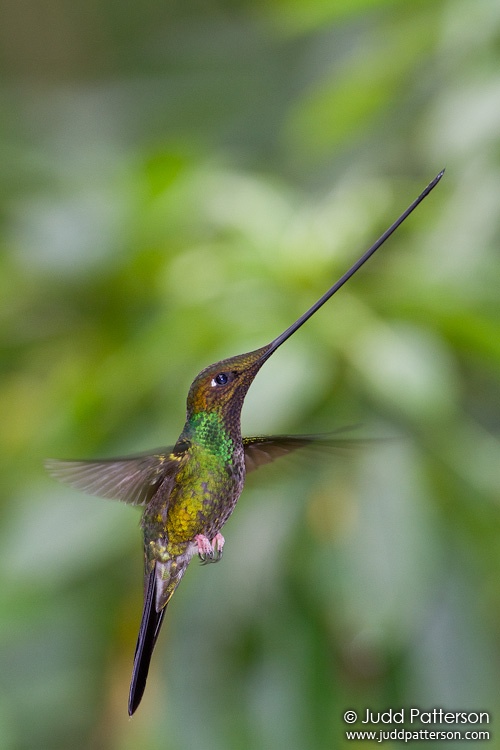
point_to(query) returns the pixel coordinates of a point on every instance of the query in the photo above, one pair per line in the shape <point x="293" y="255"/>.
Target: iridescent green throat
<point x="208" y="430"/>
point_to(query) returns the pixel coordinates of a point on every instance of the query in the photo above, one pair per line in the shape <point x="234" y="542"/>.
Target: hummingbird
<point x="189" y="490"/>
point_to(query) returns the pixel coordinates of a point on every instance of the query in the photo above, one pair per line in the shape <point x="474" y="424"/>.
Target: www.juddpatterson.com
<point x="414" y="717"/>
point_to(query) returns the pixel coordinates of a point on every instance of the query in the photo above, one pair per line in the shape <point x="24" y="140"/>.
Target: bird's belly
<point x="201" y="503"/>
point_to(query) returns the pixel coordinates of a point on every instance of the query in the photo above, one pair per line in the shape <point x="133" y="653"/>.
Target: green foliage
<point x="178" y="185"/>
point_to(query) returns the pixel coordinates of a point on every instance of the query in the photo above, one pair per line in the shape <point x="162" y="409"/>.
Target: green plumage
<point x="209" y="431"/>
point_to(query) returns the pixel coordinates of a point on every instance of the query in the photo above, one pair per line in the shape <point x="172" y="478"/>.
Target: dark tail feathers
<point x="148" y="633"/>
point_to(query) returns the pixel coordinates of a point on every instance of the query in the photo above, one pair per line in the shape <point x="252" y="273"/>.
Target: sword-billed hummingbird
<point x="190" y="490"/>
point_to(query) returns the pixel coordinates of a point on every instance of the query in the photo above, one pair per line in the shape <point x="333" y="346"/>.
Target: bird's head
<point x="224" y="385"/>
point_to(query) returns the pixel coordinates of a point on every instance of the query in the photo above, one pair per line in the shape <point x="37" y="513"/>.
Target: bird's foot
<point x="205" y="549"/>
<point x="209" y="552"/>
<point x="218" y="543"/>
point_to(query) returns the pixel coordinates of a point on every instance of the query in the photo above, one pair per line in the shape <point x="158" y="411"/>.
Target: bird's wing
<point x="132" y="479"/>
<point x="267" y="448"/>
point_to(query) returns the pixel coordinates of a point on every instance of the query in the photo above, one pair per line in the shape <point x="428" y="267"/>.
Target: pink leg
<point x="205" y="549"/>
<point x="218" y="543"/>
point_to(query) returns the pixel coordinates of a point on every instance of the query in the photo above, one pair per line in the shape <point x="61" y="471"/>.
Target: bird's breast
<point x="204" y="494"/>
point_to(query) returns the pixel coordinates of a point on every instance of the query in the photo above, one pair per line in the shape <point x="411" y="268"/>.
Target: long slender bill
<point x="289" y="331"/>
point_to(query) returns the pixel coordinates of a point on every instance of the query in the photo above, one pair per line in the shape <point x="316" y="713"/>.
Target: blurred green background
<point x="178" y="183"/>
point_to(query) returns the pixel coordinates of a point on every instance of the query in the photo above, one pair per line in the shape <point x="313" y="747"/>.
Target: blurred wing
<point x="266" y="449"/>
<point x="132" y="479"/>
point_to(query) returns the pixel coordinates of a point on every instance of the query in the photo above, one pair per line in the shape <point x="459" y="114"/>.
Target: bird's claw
<point x="209" y="552"/>
<point x="205" y="549"/>
<point x="218" y="543"/>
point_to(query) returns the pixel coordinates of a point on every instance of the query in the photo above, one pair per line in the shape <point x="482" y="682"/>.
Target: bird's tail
<point x="148" y="633"/>
<point x="160" y="585"/>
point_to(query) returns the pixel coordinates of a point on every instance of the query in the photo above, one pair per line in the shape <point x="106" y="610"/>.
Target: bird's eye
<point x="221" y="379"/>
